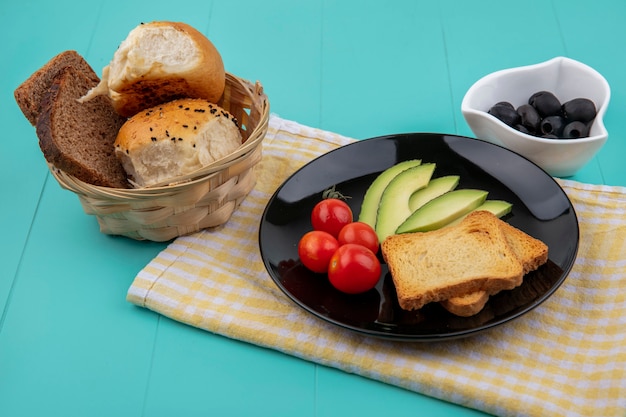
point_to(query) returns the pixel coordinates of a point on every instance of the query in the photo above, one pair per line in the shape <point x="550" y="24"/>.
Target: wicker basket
<point x="202" y="199"/>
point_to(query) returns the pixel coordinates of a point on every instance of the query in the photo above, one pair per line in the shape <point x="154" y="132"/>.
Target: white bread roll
<point x="159" y="62"/>
<point x="175" y="138"/>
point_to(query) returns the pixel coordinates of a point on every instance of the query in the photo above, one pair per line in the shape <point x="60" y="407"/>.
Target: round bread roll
<point x="175" y="138"/>
<point x="159" y="62"/>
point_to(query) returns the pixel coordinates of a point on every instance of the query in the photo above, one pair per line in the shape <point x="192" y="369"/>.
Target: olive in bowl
<point x="546" y="117"/>
<point x="567" y="80"/>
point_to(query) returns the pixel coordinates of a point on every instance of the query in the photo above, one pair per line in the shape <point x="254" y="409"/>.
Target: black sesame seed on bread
<point x="159" y="144"/>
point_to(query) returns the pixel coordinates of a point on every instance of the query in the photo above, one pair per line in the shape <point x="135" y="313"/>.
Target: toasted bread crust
<point x="435" y="266"/>
<point x="466" y="305"/>
<point x="531" y="252"/>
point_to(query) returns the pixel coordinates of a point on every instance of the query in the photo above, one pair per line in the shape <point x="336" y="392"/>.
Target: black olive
<point x="579" y="109"/>
<point x="523" y="129"/>
<point x="575" y="130"/>
<point x="552" y="125"/>
<point x="545" y="103"/>
<point x="529" y="117"/>
<point x="504" y="103"/>
<point x="505" y="113"/>
<point x="545" y="117"/>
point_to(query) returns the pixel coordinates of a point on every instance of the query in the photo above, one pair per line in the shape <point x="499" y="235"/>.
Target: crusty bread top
<point x="177" y="120"/>
<point x="160" y="62"/>
<point x="31" y="92"/>
<point x="175" y="138"/>
<point x="434" y="266"/>
<point x="77" y="138"/>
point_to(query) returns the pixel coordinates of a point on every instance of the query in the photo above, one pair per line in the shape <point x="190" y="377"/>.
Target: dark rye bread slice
<point x="31" y="92"/>
<point x="78" y="138"/>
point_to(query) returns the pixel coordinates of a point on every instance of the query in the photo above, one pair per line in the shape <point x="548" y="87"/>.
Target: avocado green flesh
<point x="435" y="188"/>
<point x="394" y="203"/>
<point x="442" y="210"/>
<point x="371" y="200"/>
<point x="499" y="208"/>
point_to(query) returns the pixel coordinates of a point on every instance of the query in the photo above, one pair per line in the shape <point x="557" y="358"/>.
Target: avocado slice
<point x="394" y="203"/>
<point x="442" y="210"/>
<point x="435" y="188"/>
<point x="499" y="208"/>
<point x="371" y="200"/>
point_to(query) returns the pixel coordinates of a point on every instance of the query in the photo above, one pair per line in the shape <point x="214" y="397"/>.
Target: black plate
<point x="540" y="208"/>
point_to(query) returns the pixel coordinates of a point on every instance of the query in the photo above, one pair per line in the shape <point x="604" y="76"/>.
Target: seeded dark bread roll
<point x="31" y="92"/>
<point x="159" y="62"/>
<point x="175" y="138"/>
<point x="77" y="138"/>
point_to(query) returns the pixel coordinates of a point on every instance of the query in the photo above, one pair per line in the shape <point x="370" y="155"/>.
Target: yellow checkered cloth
<point x="565" y="358"/>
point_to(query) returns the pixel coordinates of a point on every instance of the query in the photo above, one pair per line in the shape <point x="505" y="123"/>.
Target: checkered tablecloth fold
<point x="565" y="358"/>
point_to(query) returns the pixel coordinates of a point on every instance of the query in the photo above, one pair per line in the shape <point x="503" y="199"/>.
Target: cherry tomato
<point x="316" y="248"/>
<point x="353" y="269"/>
<point x="360" y="233"/>
<point x="330" y="215"/>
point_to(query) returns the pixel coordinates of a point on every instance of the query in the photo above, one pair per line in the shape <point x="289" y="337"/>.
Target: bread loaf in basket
<point x="205" y="198"/>
<point x="157" y="187"/>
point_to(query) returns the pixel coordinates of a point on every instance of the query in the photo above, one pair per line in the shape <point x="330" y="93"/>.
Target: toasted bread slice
<point x="466" y="305"/>
<point x="531" y="252"/>
<point x="31" y="92"/>
<point x="78" y="138"/>
<point x="471" y="256"/>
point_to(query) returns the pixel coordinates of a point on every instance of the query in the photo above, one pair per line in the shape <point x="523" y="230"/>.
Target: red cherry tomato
<point x="316" y="248"/>
<point x="330" y="215"/>
<point x="353" y="269"/>
<point x="360" y="233"/>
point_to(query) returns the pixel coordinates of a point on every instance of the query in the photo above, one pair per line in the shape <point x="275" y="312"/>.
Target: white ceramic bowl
<point x="566" y="79"/>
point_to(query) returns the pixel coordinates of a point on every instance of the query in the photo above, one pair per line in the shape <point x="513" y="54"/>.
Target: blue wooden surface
<point x="70" y="345"/>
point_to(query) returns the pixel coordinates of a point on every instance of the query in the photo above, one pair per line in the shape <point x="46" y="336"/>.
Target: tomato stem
<point x="333" y="193"/>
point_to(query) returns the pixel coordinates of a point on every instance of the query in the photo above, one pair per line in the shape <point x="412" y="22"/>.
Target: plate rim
<point x="456" y="334"/>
